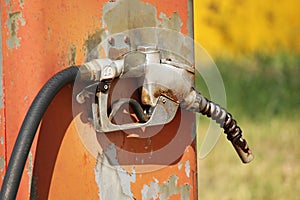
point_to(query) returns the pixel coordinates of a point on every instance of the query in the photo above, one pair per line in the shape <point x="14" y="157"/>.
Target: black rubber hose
<point x="136" y="107"/>
<point x="28" y="130"/>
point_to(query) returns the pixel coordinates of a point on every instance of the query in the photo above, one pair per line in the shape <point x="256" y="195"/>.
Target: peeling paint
<point x="92" y="42"/>
<point x="151" y="191"/>
<point x="187" y="168"/>
<point x="165" y="190"/>
<point x="1" y="138"/>
<point x="29" y="170"/>
<point x="138" y="14"/>
<point x="2" y="166"/>
<point x="21" y="3"/>
<point x="174" y="22"/>
<point x="110" y="176"/>
<point x="26" y="100"/>
<point x="179" y="165"/>
<point x="2" y="163"/>
<point x="14" y="20"/>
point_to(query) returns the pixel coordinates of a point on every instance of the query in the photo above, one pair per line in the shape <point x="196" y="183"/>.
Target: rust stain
<point x="72" y="55"/>
<point x="92" y="42"/>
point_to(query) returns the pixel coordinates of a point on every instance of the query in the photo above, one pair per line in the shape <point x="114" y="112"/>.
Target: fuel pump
<point x="165" y="84"/>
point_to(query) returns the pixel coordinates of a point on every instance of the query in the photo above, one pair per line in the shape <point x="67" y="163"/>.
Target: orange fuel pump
<point x="119" y="126"/>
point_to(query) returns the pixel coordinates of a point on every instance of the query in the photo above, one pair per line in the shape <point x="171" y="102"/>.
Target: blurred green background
<point x="256" y="47"/>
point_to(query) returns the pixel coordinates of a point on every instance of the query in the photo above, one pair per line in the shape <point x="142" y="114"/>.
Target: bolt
<point x="80" y="98"/>
<point x="164" y="100"/>
<point x="108" y="71"/>
<point x="103" y="87"/>
<point x="111" y="41"/>
<point x="147" y="49"/>
<point x="126" y="39"/>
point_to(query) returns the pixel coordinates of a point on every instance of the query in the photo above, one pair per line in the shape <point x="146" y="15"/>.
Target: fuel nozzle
<point x="166" y="85"/>
<point x="199" y="103"/>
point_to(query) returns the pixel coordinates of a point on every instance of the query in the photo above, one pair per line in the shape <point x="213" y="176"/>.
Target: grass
<point x="262" y="94"/>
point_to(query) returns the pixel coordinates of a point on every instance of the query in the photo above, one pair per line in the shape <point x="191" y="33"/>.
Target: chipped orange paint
<point x="47" y="32"/>
<point x="164" y="174"/>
